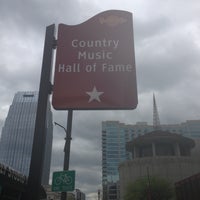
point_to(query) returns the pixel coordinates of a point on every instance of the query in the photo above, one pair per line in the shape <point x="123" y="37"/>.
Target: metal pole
<point x="36" y="165"/>
<point x="67" y="146"/>
<point x="149" y="186"/>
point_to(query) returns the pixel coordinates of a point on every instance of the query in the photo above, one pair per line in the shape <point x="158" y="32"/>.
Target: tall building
<point x="18" y="131"/>
<point x="189" y="128"/>
<point x="114" y="138"/>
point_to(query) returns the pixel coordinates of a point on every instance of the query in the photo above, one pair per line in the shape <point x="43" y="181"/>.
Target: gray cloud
<point x="167" y="47"/>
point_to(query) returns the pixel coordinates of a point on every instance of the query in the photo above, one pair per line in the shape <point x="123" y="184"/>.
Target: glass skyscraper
<point x="114" y="138"/>
<point x="18" y="131"/>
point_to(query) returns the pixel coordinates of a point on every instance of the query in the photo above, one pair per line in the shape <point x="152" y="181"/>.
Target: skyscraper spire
<point x="156" y="120"/>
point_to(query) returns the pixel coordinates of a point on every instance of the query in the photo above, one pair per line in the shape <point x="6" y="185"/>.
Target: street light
<point x="67" y="146"/>
<point x="57" y="124"/>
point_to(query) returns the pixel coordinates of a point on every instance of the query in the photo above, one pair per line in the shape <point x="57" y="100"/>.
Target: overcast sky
<point x="167" y="51"/>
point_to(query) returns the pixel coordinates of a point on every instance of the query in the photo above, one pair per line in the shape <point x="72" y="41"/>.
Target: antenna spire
<point x="156" y="120"/>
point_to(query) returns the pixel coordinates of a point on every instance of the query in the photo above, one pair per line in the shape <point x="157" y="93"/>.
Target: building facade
<point x="115" y="135"/>
<point x="114" y="138"/>
<point x="75" y="195"/>
<point x="18" y="131"/>
<point x="158" y="153"/>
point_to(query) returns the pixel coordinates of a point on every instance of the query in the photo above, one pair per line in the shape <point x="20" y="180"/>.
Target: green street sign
<point x="63" y="181"/>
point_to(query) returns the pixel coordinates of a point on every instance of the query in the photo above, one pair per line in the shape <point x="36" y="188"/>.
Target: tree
<point x="149" y="188"/>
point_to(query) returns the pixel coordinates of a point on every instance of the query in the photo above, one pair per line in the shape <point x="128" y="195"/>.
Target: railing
<point x="12" y="174"/>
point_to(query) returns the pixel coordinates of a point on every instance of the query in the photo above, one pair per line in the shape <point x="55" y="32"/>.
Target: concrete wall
<point x="173" y="168"/>
<point x="196" y="150"/>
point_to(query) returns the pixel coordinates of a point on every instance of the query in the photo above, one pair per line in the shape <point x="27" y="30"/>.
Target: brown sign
<point x="95" y="64"/>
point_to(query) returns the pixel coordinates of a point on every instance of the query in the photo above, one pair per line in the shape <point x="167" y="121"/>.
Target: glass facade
<point x="114" y="138"/>
<point x="18" y="131"/>
<point x="190" y="128"/>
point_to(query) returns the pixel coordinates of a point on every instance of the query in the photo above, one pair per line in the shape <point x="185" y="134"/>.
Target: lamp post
<point x="67" y="145"/>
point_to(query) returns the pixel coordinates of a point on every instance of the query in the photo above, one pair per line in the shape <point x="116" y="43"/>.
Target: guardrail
<point x="12" y="174"/>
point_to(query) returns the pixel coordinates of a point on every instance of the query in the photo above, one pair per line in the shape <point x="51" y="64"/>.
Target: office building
<point x="115" y="135"/>
<point x="18" y="131"/>
<point x="114" y="138"/>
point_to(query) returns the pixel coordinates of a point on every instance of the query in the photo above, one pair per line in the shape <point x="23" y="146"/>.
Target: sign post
<point x="95" y="69"/>
<point x="95" y="64"/>
<point x="67" y="146"/>
<point x="38" y="149"/>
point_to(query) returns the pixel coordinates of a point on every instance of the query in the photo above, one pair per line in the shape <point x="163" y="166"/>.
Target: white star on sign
<point x="94" y="95"/>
